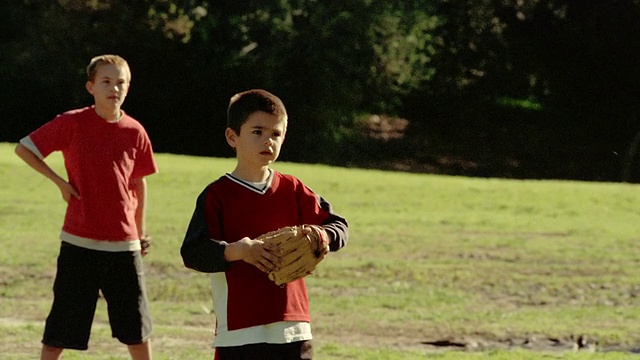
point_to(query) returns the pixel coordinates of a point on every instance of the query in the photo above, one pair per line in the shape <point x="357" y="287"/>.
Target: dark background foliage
<point x="522" y="89"/>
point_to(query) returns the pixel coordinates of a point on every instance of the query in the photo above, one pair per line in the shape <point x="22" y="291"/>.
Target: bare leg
<point x="140" y="351"/>
<point x="50" y="353"/>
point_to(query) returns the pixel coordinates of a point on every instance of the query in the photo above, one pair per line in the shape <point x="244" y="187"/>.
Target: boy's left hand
<point x="145" y="244"/>
<point x="319" y="238"/>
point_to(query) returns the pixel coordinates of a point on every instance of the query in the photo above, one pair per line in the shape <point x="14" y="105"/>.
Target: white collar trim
<point x="260" y="188"/>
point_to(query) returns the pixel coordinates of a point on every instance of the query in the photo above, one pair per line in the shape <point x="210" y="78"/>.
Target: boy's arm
<point x="40" y="166"/>
<point x="336" y="227"/>
<point x="140" y="189"/>
<point x="200" y="252"/>
<point x="338" y="231"/>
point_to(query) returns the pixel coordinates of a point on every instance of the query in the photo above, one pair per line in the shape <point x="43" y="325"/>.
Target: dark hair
<point x="243" y="104"/>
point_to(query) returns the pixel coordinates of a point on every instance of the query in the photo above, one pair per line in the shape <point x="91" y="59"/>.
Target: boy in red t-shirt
<point x="256" y="319"/>
<point x="107" y="154"/>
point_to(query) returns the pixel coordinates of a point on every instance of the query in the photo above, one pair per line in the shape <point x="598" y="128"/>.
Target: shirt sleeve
<point x="336" y="227"/>
<point x="145" y="161"/>
<point x="28" y="143"/>
<point x="199" y="252"/>
<point x="53" y="136"/>
<point x="318" y="211"/>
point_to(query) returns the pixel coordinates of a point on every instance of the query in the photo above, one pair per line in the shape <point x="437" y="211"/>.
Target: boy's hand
<point x="145" y="244"/>
<point x="257" y="254"/>
<point x="319" y="239"/>
<point x="68" y="191"/>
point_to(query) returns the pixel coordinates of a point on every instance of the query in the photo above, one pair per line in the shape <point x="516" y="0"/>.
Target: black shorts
<point x="300" y="350"/>
<point x="81" y="275"/>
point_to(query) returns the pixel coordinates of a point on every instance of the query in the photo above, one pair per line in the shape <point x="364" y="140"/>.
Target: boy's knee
<point x="50" y="352"/>
<point x="49" y="348"/>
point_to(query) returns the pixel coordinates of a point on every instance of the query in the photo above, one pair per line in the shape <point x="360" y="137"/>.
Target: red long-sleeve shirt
<point x="230" y="209"/>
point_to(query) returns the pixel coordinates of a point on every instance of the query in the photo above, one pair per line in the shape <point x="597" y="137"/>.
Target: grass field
<point x="436" y="267"/>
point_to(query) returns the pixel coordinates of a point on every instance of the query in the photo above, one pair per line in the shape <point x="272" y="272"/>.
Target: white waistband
<point x="276" y="333"/>
<point x="100" y="245"/>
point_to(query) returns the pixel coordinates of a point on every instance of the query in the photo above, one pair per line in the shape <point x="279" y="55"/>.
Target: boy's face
<point x="260" y="139"/>
<point x="110" y="86"/>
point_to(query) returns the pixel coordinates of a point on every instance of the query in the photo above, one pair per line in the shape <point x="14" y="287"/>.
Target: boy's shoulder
<point x="277" y="179"/>
<point x="215" y="183"/>
<point x="287" y="177"/>
<point x="128" y="121"/>
<point x="80" y="112"/>
<point x="89" y="112"/>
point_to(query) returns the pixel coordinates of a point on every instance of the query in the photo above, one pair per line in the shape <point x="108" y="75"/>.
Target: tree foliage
<point x="549" y="84"/>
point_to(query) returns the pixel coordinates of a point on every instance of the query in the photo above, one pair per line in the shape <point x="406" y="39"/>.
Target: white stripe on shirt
<point x="28" y="143"/>
<point x="281" y="332"/>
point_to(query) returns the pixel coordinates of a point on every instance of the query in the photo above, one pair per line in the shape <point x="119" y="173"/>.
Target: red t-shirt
<point x="101" y="159"/>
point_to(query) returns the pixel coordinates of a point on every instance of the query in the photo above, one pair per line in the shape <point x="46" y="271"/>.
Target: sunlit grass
<point x="429" y="258"/>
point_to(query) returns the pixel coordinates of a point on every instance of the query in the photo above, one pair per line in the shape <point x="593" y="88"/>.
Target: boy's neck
<point x="111" y="115"/>
<point x="252" y="175"/>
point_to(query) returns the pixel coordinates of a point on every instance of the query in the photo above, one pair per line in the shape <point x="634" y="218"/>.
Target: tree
<point x="569" y="67"/>
<point x="329" y="61"/>
<point x="48" y="45"/>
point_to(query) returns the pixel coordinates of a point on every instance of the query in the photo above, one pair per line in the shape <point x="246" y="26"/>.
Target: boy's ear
<point x="231" y="137"/>
<point x="89" y="86"/>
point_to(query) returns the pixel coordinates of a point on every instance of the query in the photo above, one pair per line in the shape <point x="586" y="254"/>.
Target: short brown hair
<point x="243" y="104"/>
<point x="98" y="61"/>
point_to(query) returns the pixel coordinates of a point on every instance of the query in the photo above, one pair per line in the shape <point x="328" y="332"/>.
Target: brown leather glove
<point x="299" y="254"/>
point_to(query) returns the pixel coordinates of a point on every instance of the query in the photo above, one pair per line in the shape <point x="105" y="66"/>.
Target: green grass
<point x="488" y="264"/>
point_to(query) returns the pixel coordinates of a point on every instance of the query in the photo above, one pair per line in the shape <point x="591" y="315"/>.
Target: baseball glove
<point x="299" y="253"/>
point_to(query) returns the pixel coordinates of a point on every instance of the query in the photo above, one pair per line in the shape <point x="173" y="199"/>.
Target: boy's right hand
<point x="253" y="252"/>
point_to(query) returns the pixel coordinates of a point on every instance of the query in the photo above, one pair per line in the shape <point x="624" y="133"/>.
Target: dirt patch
<point x="479" y="343"/>
<point x="534" y="343"/>
<point x="581" y="343"/>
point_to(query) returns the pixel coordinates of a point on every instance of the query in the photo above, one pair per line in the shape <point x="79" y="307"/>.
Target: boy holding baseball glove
<point x="259" y="292"/>
<point x="107" y="154"/>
